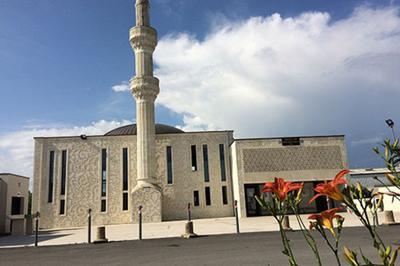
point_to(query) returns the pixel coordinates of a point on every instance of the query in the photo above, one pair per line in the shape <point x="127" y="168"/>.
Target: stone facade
<point x="83" y="181"/>
<point x="256" y="161"/>
<point x="75" y="174"/>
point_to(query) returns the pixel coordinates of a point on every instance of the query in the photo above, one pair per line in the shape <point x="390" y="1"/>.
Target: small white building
<point x="14" y="194"/>
<point x="375" y="179"/>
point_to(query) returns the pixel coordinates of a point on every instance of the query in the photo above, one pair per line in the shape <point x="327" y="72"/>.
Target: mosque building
<point x="163" y="168"/>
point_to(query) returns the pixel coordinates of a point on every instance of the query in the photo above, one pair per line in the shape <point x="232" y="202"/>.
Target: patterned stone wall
<point x="292" y="158"/>
<point x="83" y="188"/>
<point x="180" y="193"/>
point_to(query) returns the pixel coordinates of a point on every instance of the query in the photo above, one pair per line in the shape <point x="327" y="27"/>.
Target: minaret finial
<point x="142" y="13"/>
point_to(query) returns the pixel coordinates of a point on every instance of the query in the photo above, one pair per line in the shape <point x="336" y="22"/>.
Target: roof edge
<point x="15" y="175"/>
<point x="302" y="137"/>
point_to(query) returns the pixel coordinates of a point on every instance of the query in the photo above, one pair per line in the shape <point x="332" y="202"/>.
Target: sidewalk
<point x="164" y="230"/>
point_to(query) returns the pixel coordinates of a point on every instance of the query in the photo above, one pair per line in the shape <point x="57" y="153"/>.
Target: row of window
<point x="194" y="162"/>
<point x="207" y="193"/>
<point x="125" y="174"/>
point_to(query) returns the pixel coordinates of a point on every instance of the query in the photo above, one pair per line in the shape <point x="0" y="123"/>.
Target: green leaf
<point x="366" y="260"/>
<point x="393" y="258"/>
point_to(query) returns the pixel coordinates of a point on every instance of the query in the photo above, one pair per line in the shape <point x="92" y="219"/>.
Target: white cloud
<point x="274" y="76"/>
<point x="123" y="86"/>
<point x="16" y="148"/>
<point x="194" y="123"/>
<point x="370" y="141"/>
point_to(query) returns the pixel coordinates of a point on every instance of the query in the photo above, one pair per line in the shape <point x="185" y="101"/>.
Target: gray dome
<point x="131" y="130"/>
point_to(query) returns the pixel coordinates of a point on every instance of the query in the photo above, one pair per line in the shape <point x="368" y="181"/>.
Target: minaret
<point x="145" y="88"/>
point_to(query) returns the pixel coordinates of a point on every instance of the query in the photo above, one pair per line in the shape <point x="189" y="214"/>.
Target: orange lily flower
<point x="326" y="218"/>
<point x="281" y="188"/>
<point x="331" y="189"/>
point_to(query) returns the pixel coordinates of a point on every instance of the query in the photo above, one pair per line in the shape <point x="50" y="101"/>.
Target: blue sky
<point x="59" y="61"/>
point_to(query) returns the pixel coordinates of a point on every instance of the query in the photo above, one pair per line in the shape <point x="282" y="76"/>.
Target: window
<point x="103" y="172"/>
<point x="208" y="196"/>
<point x="62" y="207"/>
<point x="125" y="201"/>
<point x="125" y="179"/>
<point x="224" y="195"/>
<point x="194" y="158"/>
<point x="169" y="165"/>
<point x="290" y="141"/>
<point x="63" y="171"/>
<point x="196" y="200"/>
<point x="125" y="169"/>
<point x="205" y="158"/>
<point x="103" y="205"/>
<point x="222" y="161"/>
<point x="51" y="177"/>
<point x="17" y="205"/>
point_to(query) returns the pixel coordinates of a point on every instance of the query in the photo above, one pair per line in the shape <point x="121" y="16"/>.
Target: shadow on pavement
<point x="13" y="241"/>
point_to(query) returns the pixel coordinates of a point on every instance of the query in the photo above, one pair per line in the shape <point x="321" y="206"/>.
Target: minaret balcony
<point x="143" y="37"/>
<point x="145" y="87"/>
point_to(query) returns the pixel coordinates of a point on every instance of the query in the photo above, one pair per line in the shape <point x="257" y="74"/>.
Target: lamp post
<point x="37" y="215"/>
<point x="89" y="225"/>
<point x="140" y="221"/>
<point x="390" y="124"/>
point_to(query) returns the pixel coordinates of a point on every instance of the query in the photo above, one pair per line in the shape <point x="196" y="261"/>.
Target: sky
<point x="263" y="68"/>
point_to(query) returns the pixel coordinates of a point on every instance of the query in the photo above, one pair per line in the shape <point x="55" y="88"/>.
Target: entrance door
<point x="252" y="207"/>
<point x="320" y="202"/>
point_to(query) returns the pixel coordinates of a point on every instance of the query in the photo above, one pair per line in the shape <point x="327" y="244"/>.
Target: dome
<point x="131" y="130"/>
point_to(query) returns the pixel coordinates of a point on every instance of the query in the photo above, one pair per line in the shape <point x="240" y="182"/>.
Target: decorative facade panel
<point x="292" y="158"/>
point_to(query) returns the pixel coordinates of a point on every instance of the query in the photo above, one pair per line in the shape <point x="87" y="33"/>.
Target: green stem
<point x="378" y="242"/>
<point x="286" y="244"/>
<point x="308" y="237"/>
<point x="334" y="249"/>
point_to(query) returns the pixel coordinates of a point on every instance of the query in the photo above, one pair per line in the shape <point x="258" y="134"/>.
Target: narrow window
<point x="62" y="207"/>
<point x="169" y="165"/>
<point x="17" y="205"/>
<point x="103" y="205"/>
<point x="196" y="200"/>
<point x="194" y="158"/>
<point x="103" y="172"/>
<point x="125" y="201"/>
<point x="63" y="171"/>
<point x="208" y="196"/>
<point x="125" y="169"/>
<point x="125" y="179"/>
<point x="205" y="158"/>
<point x="51" y="177"/>
<point x="222" y="161"/>
<point x="224" y="195"/>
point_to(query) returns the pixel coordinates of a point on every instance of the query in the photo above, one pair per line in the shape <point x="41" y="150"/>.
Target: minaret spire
<point x="145" y="88"/>
<point x="142" y="13"/>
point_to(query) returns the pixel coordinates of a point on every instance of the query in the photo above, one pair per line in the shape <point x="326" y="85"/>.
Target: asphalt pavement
<point x="244" y="249"/>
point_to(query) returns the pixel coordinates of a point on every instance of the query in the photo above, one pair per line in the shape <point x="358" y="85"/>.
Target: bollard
<point x="189" y="213"/>
<point x="189" y="230"/>
<point x="140" y="222"/>
<point x="89" y="225"/>
<point x="237" y="217"/>
<point x="101" y="235"/>
<point x="37" y="215"/>
<point x="328" y="202"/>
<point x="389" y="218"/>
<point x="286" y="223"/>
